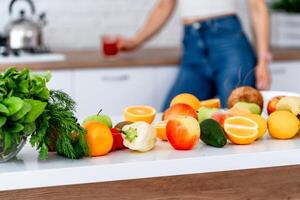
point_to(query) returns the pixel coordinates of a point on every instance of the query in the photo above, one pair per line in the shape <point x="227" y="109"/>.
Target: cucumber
<point x="212" y="133"/>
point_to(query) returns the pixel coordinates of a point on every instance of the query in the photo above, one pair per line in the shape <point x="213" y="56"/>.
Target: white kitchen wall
<point x="79" y="23"/>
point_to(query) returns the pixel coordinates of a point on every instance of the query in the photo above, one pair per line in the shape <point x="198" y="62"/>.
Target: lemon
<point x="261" y="122"/>
<point x="241" y="130"/>
<point x="283" y="125"/>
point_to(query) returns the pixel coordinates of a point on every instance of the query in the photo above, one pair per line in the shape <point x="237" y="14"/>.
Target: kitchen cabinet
<point x="60" y="80"/>
<point x="112" y="89"/>
<point x="164" y="79"/>
<point x="285" y="76"/>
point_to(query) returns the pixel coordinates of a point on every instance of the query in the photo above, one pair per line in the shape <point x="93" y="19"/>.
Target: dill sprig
<point x="70" y="140"/>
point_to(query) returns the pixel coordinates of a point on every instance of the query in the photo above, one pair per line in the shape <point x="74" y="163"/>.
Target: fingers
<point x="263" y="82"/>
<point x="263" y="79"/>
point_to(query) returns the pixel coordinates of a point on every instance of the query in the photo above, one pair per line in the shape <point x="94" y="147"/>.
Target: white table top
<point x="29" y="172"/>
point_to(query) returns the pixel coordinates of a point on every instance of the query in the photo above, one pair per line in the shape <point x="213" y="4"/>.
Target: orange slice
<point x="161" y="130"/>
<point x="241" y="130"/>
<point x="139" y="113"/>
<point x="211" y="103"/>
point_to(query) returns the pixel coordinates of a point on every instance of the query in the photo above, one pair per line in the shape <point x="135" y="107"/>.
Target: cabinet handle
<point x="278" y="71"/>
<point x="115" y="78"/>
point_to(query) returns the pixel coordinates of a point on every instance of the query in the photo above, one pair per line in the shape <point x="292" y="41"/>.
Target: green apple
<point x="206" y="113"/>
<point x="104" y="119"/>
<point x="252" y="107"/>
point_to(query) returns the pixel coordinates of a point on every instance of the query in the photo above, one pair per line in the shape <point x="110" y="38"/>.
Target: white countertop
<point x="29" y="172"/>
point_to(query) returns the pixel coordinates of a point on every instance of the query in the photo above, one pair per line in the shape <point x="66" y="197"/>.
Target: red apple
<point x="180" y="109"/>
<point x="183" y="132"/>
<point x="272" y="104"/>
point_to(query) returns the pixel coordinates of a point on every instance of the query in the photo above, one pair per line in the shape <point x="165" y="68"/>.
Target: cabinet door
<point x="164" y="79"/>
<point x="285" y="76"/>
<point x="60" y="80"/>
<point x="112" y="89"/>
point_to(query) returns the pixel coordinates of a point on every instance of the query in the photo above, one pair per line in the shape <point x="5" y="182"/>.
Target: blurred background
<point x="71" y="38"/>
<point x="87" y="19"/>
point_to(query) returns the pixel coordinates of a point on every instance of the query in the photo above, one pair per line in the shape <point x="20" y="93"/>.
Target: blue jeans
<point x="217" y="58"/>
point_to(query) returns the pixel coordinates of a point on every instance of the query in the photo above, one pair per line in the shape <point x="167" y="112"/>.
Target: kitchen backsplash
<point x="80" y="23"/>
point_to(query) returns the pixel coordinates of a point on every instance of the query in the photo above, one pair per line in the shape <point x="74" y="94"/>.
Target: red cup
<point x="110" y="45"/>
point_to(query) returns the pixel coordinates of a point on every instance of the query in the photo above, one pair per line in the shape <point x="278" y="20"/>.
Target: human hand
<point x="263" y="76"/>
<point x="127" y="44"/>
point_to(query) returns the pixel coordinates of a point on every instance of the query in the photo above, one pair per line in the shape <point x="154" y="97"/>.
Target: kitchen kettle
<point x="24" y="33"/>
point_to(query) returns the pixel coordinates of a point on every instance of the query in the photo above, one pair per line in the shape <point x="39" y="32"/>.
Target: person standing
<point x="217" y="56"/>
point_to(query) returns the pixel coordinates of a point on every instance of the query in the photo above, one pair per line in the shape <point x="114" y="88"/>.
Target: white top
<point x="206" y="8"/>
<point x="29" y="172"/>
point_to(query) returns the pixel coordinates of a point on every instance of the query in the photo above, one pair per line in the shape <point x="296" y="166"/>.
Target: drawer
<point x="112" y="89"/>
<point x="285" y="76"/>
<point x="164" y="80"/>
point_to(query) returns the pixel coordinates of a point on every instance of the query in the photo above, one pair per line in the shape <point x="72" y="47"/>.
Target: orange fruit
<point x="241" y="130"/>
<point x="261" y="122"/>
<point x="283" y="124"/>
<point x="211" y="103"/>
<point x="161" y="130"/>
<point x="139" y="113"/>
<point x="186" y="98"/>
<point x="99" y="138"/>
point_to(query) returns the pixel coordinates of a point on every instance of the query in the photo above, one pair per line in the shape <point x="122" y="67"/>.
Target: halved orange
<point x="241" y="130"/>
<point x="211" y="103"/>
<point x="139" y="113"/>
<point x="186" y="98"/>
<point x="161" y="130"/>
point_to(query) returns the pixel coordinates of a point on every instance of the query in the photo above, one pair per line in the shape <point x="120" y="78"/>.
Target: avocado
<point x="212" y="133"/>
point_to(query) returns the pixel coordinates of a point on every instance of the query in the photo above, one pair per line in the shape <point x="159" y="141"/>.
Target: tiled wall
<point x="79" y="23"/>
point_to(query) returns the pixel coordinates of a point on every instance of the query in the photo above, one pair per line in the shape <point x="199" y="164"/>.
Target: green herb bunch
<point x="28" y="109"/>
<point x="290" y="6"/>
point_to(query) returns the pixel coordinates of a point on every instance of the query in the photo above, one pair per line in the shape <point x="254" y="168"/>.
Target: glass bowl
<point x="11" y="152"/>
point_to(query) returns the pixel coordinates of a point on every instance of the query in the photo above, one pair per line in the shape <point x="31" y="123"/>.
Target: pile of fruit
<point x="188" y="121"/>
<point x="29" y="110"/>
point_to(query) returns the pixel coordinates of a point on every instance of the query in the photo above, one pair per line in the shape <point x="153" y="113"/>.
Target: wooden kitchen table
<point x="268" y="169"/>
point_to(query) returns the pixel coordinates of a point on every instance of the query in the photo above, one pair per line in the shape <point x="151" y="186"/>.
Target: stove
<point x="36" y="55"/>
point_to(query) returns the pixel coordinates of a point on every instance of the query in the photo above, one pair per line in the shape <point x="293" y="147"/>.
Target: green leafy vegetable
<point x="37" y="108"/>
<point x="21" y="113"/>
<point x="29" y="109"/>
<point x="14" y="128"/>
<point x="29" y="129"/>
<point x="7" y="141"/>
<point x="3" y="109"/>
<point x="2" y="121"/>
<point x="13" y="104"/>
